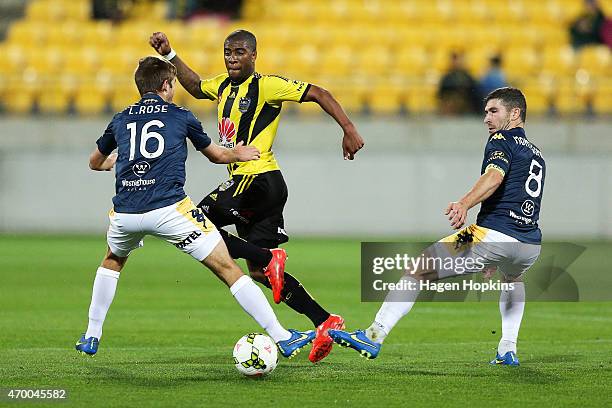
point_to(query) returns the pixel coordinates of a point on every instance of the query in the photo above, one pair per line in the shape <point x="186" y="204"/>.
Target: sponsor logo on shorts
<point x="528" y="208"/>
<point x="141" y="168"/>
<point x="226" y="185"/>
<point x="192" y="237"/>
<point x="237" y="214"/>
<point x="281" y="231"/>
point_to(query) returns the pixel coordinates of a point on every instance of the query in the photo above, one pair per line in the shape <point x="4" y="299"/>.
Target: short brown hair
<point x="152" y="72"/>
<point x="511" y="98"/>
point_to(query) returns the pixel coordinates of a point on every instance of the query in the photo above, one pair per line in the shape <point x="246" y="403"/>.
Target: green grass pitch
<point x="169" y="334"/>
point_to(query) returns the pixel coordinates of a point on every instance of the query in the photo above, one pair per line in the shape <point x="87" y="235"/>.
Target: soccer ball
<point x="255" y="355"/>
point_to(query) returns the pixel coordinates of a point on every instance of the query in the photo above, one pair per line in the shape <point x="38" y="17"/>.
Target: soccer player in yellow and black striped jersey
<point x="249" y="106"/>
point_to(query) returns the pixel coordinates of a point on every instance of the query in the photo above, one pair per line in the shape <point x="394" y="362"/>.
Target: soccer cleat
<point x="275" y="271"/>
<point x="87" y="346"/>
<point x="356" y="340"/>
<point x="294" y="344"/>
<point x="322" y="344"/>
<point x="509" y="359"/>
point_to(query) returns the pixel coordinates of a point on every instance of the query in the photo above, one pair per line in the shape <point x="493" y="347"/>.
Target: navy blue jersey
<point x="150" y="138"/>
<point x="514" y="208"/>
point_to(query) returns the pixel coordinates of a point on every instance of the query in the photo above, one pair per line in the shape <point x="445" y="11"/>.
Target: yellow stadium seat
<point x="124" y="95"/>
<point x="602" y="103"/>
<point x="92" y="96"/>
<point x="602" y="97"/>
<point x="69" y="34"/>
<point x="387" y="99"/>
<point x="14" y="59"/>
<point x="131" y="34"/>
<point x="78" y="10"/>
<point x="19" y="99"/>
<point x="410" y="60"/>
<point x="27" y="34"/>
<point x="422" y="98"/>
<point x="553" y="36"/>
<point x="337" y="61"/>
<point x="81" y="62"/>
<point x="374" y="61"/>
<point x="520" y="61"/>
<point x="47" y="61"/>
<point x="568" y="104"/>
<point x="596" y="60"/>
<point x="349" y="94"/>
<point x="207" y="36"/>
<point x="558" y="60"/>
<point x="302" y="62"/>
<point x="54" y="99"/>
<point x="98" y="34"/>
<point x="538" y="99"/>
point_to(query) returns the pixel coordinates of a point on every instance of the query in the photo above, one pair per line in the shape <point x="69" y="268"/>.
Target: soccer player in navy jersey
<point x="505" y="237"/>
<point x="151" y="141"/>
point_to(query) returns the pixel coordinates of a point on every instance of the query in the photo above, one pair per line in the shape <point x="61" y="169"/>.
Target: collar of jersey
<point x="150" y="95"/>
<point x="232" y="83"/>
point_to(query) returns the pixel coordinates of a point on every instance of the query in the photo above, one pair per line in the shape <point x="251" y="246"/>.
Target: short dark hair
<point x="152" y="72"/>
<point x="511" y="98"/>
<point x="243" y="35"/>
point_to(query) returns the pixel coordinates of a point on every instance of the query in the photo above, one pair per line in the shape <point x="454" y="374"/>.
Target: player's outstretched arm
<point x="483" y="189"/>
<point x="222" y="155"/>
<point x="100" y="162"/>
<point x="186" y="76"/>
<point x="352" y="140"/>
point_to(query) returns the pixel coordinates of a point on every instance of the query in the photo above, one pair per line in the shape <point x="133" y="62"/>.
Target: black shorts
<point x="254" y="204"/>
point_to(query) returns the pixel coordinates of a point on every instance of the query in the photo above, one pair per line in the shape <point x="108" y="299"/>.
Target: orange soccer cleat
<point x="322" y="344"/>
<point x="275" y="272"/>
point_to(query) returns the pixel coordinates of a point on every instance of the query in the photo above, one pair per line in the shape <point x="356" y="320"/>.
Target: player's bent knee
<point x="221" y="264"/>
<point x="113" y="262"/>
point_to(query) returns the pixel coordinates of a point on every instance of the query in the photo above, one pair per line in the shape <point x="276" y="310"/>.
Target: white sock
<point x="104" y="288"/>
<point x="511" y="307"/>
<point x="396" y="305"/>
<point x="253" y="301"/>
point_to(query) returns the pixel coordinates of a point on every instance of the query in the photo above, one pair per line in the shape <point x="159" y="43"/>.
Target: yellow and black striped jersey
<point x="250" y="112"/>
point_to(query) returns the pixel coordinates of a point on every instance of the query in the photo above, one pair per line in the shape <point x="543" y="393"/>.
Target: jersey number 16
<point x="145" y="135"/>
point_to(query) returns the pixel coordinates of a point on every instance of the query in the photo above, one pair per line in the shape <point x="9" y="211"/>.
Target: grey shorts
<point x="475" y="248"/>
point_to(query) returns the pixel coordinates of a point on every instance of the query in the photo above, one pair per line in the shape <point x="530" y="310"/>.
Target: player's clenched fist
<point x="160" y="43"/>
<point x="351" y="143"/>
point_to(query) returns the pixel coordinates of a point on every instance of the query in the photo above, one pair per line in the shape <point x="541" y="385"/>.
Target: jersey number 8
<point x="145" y="135"/>
<point x="535" y="174"/>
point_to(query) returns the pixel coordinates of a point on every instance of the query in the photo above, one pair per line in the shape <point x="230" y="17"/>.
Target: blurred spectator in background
<point x="107" y="9"/>
<point x="586" y="29"/>
<point x="186" y="9"/>
<point x="458" y="90"/>
<point x="494" y="78"/>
